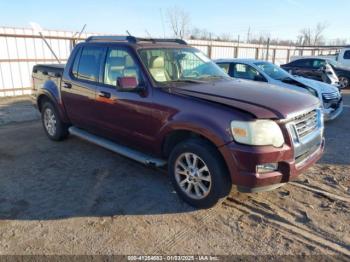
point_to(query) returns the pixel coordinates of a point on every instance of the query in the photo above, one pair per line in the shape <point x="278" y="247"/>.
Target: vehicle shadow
<point x="44" y="180"/>
<point x="338" y="139"/>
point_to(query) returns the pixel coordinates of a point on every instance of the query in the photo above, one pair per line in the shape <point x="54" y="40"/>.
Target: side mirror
<point x="128" y="84"/>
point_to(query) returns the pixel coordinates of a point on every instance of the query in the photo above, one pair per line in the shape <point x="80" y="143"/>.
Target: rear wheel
<point x="198" y="173"/>
<point x="343" y="82"/>
<point x="54" y="128"/>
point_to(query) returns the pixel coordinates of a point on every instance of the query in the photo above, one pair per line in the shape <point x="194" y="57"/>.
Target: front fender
<point x="212" y="129"/>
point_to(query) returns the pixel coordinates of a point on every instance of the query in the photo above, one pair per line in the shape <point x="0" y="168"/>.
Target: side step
<point x="122" y="150"/>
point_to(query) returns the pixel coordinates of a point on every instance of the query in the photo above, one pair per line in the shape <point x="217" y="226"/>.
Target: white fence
<point x="21" y="48"/>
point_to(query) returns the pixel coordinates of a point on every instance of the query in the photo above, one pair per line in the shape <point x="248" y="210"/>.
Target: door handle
<point x="67" y="85"/>
<point x="104" y="94"/>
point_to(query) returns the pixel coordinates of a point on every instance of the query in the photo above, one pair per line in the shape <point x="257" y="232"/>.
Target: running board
<point x="122" y="150"/>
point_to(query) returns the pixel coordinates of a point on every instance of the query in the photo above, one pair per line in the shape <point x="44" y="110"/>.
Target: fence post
<point x="209" y="51"/>
<point x="236" y="52"/>
<point x="288" y="55"/>
<point x="257" y="53"/>
<point x="273" y="55"/>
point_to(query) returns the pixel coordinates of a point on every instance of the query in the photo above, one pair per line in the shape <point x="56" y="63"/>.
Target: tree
<point x="313" y="36"/>
<point x="179" y="22"/>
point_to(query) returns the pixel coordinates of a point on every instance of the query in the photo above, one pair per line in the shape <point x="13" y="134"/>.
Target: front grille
<point x="330" y="96"/>
<point x="306" y="123"/>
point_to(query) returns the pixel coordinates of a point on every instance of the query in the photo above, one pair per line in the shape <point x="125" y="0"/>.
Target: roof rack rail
<point x="133" y="39"/>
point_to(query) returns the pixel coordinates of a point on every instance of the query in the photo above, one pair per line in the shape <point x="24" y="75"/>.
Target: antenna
<point x="162" y="20"/>
<point x="37" y="28"/>
<point x="127" y="31"/>
<point x="149" y="35"/>
<point x="81" y="31"/>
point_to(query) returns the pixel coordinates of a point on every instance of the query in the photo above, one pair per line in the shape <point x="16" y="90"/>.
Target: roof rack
<point x="133" y="39"/>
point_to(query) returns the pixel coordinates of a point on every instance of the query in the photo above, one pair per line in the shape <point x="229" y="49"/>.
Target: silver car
<point x="262" y="71"/>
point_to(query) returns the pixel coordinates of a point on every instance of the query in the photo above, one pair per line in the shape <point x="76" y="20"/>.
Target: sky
<point x="281" y="19"/>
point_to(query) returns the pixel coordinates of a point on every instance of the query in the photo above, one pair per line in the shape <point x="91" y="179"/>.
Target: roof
<point x="238" y="60"/>
<point x="135" y="40"/>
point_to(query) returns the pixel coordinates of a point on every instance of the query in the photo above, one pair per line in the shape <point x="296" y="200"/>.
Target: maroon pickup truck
<point x="165" y="104"/>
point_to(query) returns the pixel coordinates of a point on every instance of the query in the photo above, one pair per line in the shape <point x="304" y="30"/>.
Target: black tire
<point x="221" y="183"/>
<point x="60" y="130"/>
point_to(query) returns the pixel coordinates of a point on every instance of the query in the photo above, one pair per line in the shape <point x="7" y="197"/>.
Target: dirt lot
<point x="76" y="198"/>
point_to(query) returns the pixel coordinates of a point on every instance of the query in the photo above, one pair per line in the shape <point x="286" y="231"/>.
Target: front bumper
<point x="242" y="161"/>
<point x="299" y="152"/>
<point x="333" y="112"/>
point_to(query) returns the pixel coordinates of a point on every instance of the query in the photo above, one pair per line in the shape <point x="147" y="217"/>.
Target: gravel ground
<point x="73" y="197"/>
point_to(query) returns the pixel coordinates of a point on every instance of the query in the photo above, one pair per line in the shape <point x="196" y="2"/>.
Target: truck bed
<point x="55" y="69"/>
<point x="44" y="72"/>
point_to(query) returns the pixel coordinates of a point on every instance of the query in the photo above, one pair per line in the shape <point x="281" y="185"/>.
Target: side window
<point x="225" y="67"/>
<point x="347" y="54"/>
<point x="76" y="63"/>
<point x="318" y="63"/>
<point x="303" y="63"/>
<point x="90" y="63"/>
<point x="245" y="72"/>
<point x="119" y="63"/>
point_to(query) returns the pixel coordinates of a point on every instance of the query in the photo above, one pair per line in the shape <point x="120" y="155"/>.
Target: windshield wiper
<point x="191" y="81"/>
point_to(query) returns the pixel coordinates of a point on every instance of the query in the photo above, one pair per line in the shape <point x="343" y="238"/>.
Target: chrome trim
<point x="291" y="116"/>
<point x="120" y="149"/>
<point x="302" y="145"/>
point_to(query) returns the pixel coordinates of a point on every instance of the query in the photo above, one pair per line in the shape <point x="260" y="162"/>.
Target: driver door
<point x="126" y="117"/>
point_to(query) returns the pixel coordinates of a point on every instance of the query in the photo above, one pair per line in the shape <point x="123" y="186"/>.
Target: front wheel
<point x="343" y="82"/>
<point x="198" y="173"/>
<point x="54" y="128"/>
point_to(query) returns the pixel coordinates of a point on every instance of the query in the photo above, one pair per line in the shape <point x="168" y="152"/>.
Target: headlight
<point x="257" y="133"/>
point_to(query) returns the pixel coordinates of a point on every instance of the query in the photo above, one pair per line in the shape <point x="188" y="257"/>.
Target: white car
<point x="262" y="71"/>
<point x="343" y="58"/>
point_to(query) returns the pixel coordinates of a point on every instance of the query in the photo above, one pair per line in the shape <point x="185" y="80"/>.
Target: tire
<point x="207" y="170"/>
<point x="54" y="128"/>
<point x="344" y="82"/>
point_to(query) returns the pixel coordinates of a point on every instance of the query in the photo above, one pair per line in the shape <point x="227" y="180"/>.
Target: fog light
<point x="266" y="168"/>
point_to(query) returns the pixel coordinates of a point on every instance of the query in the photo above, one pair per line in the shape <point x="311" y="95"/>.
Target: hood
<point x="317" y="85"/>
<point x="262" y="100"/>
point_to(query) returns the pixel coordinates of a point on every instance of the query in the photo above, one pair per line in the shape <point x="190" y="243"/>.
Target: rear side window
<point x="245" y="72"/>
<point x="225" y="67"/>
<point x="303" y="63"/>
<point x="90" y="63"/>
<point x="347" y="54"/>
<point x="318" y="63"/>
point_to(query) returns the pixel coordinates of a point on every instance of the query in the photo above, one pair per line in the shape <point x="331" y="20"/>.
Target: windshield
<point x="273" y="71"/>
<point x="169" y="65"/>
<point x="333" y="63"/>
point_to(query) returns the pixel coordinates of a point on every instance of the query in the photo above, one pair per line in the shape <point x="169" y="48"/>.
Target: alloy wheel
<point x="50" y="121"/>
<point x="344" y="82"/>
<point x="193" y="176"/>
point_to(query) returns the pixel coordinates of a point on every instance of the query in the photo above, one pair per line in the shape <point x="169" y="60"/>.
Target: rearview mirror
<point x="127" y="83"/>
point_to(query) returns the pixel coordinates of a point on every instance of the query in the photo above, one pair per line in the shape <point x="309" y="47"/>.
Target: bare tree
<point x="313" y="36"/>
<point x="179" y="22"/>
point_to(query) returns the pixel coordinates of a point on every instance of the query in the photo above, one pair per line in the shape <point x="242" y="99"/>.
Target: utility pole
<point x="248" y="35"/>
<point x="267" y="49"/>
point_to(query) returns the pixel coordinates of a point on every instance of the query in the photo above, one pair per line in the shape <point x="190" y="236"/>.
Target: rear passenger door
<point x="79" y="90"/>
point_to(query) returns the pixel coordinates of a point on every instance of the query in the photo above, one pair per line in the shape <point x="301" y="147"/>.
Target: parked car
<point x="164" y="103"/>
<point x="343" y="57"/>
<point x="266" y="72"/>
<point x="314" y="68"/>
